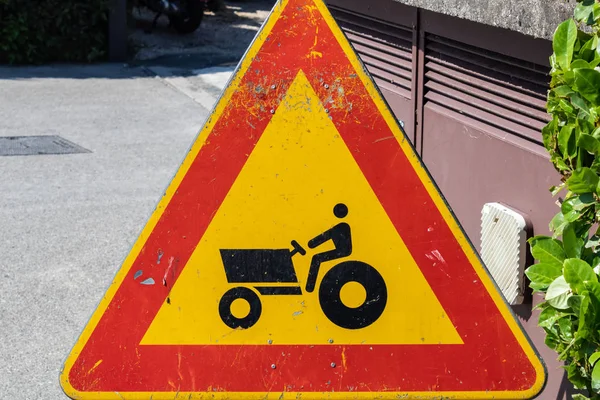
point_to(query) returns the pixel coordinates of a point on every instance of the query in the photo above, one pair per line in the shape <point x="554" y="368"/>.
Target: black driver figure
<point x="340" y="236"/>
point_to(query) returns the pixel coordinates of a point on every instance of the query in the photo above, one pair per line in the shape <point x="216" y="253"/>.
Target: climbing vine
<point x="569" y="260"/>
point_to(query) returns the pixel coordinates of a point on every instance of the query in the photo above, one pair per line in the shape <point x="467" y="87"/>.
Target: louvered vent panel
<point x="493" y="89"/>
<point x="385" y="49"/>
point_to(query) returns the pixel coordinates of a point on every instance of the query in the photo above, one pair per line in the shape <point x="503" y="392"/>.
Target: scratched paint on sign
<point x="286" y="191"/>
<point x="302" y="250"/>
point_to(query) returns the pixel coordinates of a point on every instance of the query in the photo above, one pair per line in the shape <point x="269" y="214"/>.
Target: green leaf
<point x="595" y="166"/>
<point x="566" y="328"/>
<point x="584" y="311"/>
<point x="594" y="357"/>
<point x="557" y="224"/>
<point x="583" y="180"/>
<point x="555" y="68"/>
<point x="587" y="51"/>
<point x="549" y="316"/>
<point x="579" y="396"/>
<point x="580" y="64"/>
<point x="566" y="106"/>
<point x="582" y="115"/>
<point x="563" y="91"/>
<point x="557" y="189"/>
<point x="569" y="217"/>
<point x="547" y="250"/>
<point x="558" y="293"/>
<point x="574" y="375"/>
<point x="596" y="264"/>
<point x="574" y="303"/>
<point x="566" y="141"/>
<point x="571" y="242"/>
<point x="592" y="243"/>
<point x="594" y="293"/>
<point x="538" y="287"/>
<point x="586" y="125"/>
<point x="578" y="202"/>
<point x="560" y="164"/>
<point x="578" y="273"/>
<point x="587" y="82"/>
<point x="596" y="378"/>
<point x="589" y="143"/>
<point x="548" y="135"/>
<point x="563" y="42"/>
<point x="569" y="77"/>
<point x="582" y="13"/>
<point x="594" y="39"/>
<point x="597" y="213"/>
<point x="543" y="274"/>
<point x="552" y="106"/>
<point x="580" y="104"/>
<point x="552" y="340"/>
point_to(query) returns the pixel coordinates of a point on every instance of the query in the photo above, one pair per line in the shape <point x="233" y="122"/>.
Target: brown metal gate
<point x="472" y="100"/>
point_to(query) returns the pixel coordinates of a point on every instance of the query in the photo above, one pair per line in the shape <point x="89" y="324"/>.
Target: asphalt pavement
<point x="68" y="220"/>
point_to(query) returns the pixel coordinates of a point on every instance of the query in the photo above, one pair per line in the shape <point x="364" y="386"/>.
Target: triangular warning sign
<point x="302" y="250"/>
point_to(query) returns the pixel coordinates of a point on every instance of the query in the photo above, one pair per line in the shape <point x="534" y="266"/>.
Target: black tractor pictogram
<point x="275" y="266"/>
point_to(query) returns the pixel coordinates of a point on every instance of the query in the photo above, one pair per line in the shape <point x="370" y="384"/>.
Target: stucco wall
<point x="537" y="18"/>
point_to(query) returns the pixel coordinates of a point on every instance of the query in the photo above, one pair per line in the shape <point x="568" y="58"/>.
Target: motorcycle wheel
<point x="189" y="22"/>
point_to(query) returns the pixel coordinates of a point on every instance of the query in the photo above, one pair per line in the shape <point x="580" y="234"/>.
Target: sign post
<point x="302" y="251"/>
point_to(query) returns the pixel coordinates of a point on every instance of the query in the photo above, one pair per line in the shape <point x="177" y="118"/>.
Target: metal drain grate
<point x="37" y="145"/>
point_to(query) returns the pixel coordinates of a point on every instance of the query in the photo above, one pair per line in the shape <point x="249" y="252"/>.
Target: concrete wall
<point x="537" y="18"/>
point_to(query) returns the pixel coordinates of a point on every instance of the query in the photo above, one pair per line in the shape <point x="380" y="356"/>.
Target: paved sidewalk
<point x="67" y="221"/>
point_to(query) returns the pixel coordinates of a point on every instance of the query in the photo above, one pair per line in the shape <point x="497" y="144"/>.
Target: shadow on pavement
<point x="73" y="71"/>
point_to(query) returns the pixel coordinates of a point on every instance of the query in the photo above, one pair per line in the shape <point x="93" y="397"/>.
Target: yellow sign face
<point x="298" y="171"/>
<point x="302" y="251"/>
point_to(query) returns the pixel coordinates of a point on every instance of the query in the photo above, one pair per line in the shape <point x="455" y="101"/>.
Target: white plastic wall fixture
<point x="503" y="248"/>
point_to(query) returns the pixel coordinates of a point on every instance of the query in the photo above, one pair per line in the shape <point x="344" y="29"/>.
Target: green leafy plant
<point x="40" y="31"/>
<point x="569" y="261"/>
